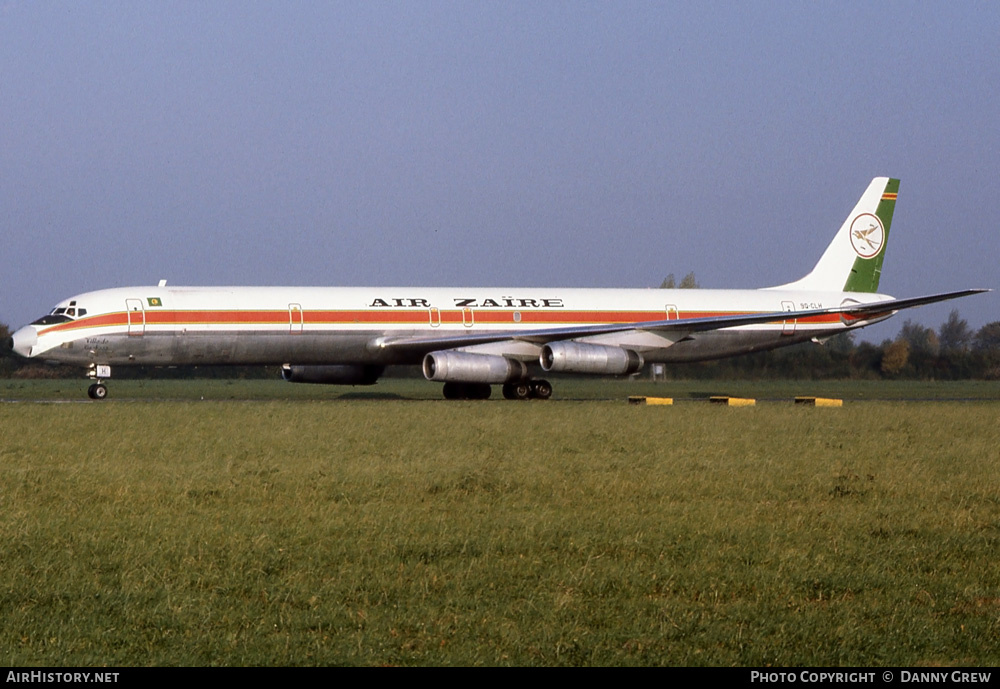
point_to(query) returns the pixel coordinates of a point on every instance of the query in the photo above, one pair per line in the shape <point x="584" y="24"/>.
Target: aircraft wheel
<point x="541" y="389"/>
<point x="97" y="391"/>
<point x="453" y="391"/>
<point x="516" y="391"/>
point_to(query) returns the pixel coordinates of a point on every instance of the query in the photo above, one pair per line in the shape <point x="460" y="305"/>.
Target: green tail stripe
<point x="865" y="272"/>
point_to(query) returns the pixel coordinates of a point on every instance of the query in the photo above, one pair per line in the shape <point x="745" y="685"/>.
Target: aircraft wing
<point x="687" y="325"/>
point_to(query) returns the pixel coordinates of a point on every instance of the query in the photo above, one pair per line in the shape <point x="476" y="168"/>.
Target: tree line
<point x="953" y="351"/>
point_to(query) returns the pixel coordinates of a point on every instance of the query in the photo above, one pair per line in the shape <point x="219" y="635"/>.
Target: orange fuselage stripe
<point x="157" y="317"/>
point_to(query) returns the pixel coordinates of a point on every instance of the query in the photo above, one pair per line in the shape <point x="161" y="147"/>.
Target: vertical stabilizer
<point x="853" y="261"/>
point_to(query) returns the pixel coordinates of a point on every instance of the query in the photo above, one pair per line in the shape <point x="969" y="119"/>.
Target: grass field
<point x="415" y="531"/>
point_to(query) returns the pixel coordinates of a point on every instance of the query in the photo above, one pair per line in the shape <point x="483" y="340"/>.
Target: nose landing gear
<point x="98" y="390"/>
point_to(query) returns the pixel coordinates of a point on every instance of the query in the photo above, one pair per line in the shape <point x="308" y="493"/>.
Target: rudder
<point x="867" y="270"/>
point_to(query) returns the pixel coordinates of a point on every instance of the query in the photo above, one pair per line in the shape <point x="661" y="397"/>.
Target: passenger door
<point x="788" y="327"/>
<point x="136" y="317"/>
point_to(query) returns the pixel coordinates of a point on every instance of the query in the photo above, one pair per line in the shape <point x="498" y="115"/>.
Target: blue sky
<point x="492" y="143"/>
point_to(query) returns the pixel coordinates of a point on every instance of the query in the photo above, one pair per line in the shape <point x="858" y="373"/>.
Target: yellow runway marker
<point x="819" y="401"/>
<point x="733" y="401"/>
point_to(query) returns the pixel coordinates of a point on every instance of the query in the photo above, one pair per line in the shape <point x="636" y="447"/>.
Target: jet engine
<point x="462" y="367"/>
<point x="343" y="374"/>
<point x="576" y="357"/>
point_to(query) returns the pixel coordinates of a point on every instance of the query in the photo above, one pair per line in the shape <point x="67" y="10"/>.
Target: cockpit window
<point x="62" y="314"/>
<point x="52" y="319"/>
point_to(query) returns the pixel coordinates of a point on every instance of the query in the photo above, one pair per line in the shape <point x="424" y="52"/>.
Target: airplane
<point x="472" y="338"/>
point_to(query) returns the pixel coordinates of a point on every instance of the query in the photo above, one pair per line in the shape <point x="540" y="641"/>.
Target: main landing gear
<point x="521" y="390"/>
<point x="528" y="390"/>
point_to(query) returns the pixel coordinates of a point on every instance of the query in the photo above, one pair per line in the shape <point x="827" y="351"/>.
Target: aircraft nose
<point x="23" y="340"/>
